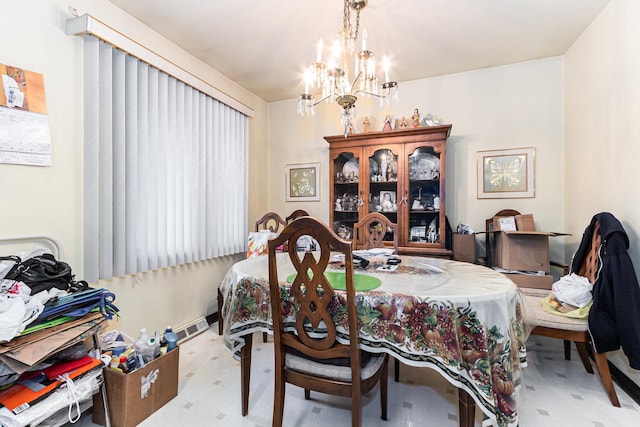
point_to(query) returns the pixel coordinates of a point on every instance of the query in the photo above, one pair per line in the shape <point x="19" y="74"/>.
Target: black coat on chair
<point x="614" y="318"/>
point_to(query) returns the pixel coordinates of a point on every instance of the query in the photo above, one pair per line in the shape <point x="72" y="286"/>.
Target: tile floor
<point x="558" y="393"/>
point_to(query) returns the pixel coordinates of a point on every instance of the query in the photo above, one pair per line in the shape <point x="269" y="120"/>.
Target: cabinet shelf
<point x="426" y="181"/>
<point x="399" y="154"/>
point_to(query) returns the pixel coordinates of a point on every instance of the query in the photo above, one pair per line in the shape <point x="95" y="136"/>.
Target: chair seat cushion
<point x="337" y="361"/>
<point x="336" y="372"/>
<point x="537" y="316"/>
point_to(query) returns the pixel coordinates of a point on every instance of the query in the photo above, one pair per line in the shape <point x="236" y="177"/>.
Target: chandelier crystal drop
<point x="332" y="80"/>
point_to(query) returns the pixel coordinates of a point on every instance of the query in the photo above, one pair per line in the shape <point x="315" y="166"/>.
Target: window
<point x="165" y="168"/>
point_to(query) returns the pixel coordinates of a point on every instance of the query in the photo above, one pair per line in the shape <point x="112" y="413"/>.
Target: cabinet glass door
<point x="424" y="196"/>
<point x="384" y="196"/>
<point x="346" y="200"/>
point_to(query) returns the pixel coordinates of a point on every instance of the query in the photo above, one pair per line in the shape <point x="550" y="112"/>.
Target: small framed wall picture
<point x="302" y="182"/>
<point x="506" y="174"/>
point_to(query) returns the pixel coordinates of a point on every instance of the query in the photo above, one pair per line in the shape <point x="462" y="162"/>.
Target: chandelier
<point x="332" y="81"/>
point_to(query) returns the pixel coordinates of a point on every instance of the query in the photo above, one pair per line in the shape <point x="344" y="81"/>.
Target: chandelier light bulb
<point x="320" y="46"/>
<point x="386" y="65"/>
<point x="364" y="39"/>
<point x="335" y="51"/>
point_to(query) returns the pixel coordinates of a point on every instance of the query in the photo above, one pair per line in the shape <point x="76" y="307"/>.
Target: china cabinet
<point x="399" y="173"/>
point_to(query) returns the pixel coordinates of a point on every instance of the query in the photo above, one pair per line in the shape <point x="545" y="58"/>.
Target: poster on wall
<point x="24" y="126"/>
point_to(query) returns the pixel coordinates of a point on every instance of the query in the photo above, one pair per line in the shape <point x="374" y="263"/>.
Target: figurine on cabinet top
<point x="403" y="123"/>
<point x="387" y="123"/>
<point x="366" y="122"/>
<point x="415" y="118"/>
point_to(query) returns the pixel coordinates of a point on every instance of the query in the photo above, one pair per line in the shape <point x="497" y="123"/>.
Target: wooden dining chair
<point x="369" y="232"/>
<point x="489" y="237"/>
<point x="273" y="222"/>
<point x="296" y="214"/>
<point x="576" y="330"/>
<point x="304" y="358"/>
<point x="270" y="221"/>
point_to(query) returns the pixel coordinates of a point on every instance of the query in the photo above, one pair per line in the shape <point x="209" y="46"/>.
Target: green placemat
<point x="337" y="279"/>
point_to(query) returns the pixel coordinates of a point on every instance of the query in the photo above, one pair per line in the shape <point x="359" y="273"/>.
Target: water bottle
<point x="171" y="338"/>
<point x="144" y="346"/>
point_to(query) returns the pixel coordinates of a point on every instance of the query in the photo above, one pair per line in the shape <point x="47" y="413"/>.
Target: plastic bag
<point x="258" y="242"/>
<point x="551" y="305"/>
<point x="115" y="341"/>
<point x="12" y="311"/>
<point x="573" y="289"/>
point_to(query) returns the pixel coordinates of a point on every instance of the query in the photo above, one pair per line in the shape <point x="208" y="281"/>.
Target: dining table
<point x="463" y="320"/>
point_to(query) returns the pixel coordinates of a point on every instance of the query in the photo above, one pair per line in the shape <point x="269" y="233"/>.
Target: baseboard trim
<point x="625" y="383"/>
<point x="191" y="329"/>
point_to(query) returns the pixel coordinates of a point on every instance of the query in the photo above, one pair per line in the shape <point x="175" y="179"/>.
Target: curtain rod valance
<point x="87" y="24"/>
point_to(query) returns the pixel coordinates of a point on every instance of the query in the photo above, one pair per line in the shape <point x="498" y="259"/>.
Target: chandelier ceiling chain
<point x="331" y="80"/>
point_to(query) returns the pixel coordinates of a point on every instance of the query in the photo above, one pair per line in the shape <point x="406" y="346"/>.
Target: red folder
<point x="23" y="394"/>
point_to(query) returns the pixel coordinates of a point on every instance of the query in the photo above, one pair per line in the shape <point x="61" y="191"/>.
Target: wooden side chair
<point x="270" y="221"/>
<point x="295" y="215"/>
<point x="306" y="359"/>
<point x="489" y="239"/>
<point x="273" y="222"/>
<point x="298" y="213"/>
<point x="369" y="232"/>
<point x="576" y="330"/>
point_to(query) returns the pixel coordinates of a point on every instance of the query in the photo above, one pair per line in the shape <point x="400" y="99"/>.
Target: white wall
<point x="513" y="106"/>
<point x="48" y="200"/>
<point x="602" y="140"/>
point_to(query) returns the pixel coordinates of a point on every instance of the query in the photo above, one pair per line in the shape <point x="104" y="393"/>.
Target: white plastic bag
<point x="573" y="289"/>
<point x="12" y="311"/>
<point x="257" y="242"/>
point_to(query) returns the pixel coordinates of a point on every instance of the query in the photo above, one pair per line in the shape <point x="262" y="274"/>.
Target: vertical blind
<point x="165" y="179"/>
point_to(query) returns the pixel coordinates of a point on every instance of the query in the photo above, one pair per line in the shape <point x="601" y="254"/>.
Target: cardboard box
<point x="134" y="396"/>
<point x="525" y="222"/>
<point x="464" y="247"/>
<point x="504" y="223"/>
<point x="530" y="281"/>
<point x="523" y="250"/>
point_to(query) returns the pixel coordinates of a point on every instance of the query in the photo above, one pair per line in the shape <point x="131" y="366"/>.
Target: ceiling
<point x="264" y="45"/>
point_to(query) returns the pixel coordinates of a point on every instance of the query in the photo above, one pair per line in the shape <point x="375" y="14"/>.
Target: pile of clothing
<point x="45" y="318"/>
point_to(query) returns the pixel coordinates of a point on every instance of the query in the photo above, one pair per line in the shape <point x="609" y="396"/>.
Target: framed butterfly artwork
<point x="302" y="182"/>
<point x="506" y="174"/>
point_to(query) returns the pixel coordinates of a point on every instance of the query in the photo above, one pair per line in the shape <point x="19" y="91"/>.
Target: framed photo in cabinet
<point x="506" y="174"/>
<point x="302" y="182"/>
<point x="388" y="201"/>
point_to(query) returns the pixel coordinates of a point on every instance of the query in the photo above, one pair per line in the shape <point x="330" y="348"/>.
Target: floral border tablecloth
<point x="475" y="341"/>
